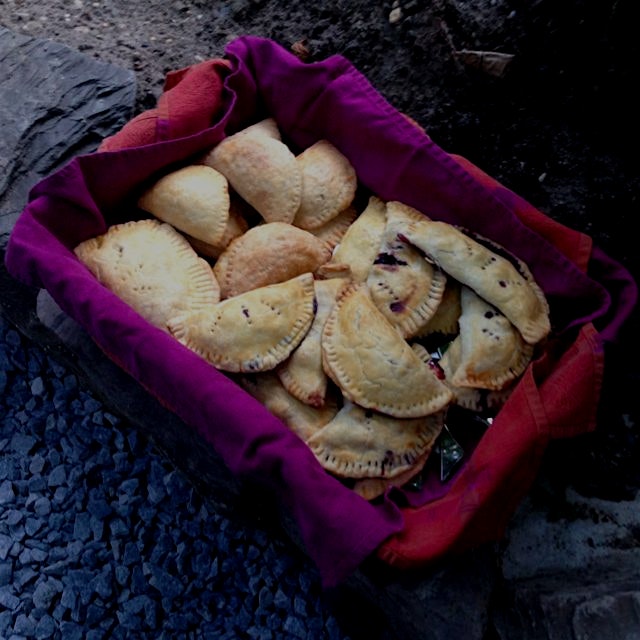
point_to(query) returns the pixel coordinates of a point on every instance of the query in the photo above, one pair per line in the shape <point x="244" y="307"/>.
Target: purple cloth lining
<point x="331" y="100"/>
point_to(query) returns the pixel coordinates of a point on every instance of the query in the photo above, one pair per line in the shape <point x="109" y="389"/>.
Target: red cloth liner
<point x="191" y="101"/>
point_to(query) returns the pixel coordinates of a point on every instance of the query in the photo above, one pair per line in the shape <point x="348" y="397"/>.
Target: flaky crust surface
<point x="269" y="253"/>
<point x="358" y="443"/>
<point x="152" y="267"/>
<point x="253" y="331"/>
<point x="329" y="184"/>
<point x="489" y="274"/>
<point x="360" y="244"/>
<point x="263" y="171"/>
<point x="194" y="199"/>
<point x="371" y="362"/>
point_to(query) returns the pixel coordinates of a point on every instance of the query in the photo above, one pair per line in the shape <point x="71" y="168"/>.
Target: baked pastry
<point x="445" y="320"/>
<point x="303" y="419"/>
<point x="253" y="331"/>
<point x="329" y="184"/>
<point x="152" y="267"/>
<point x="489" y="274"/>
<point x="373" y="364"/>
<point x="404" y="286"/>
<point x="235" y="227"/>
<point x="490" y="352"/>
<point x="472" y="398"/>
<point x="269" y="253"/>
<point x="358" y="443"/>
<point x="262" y="170"/>
<point x="302" y="374"/>
<point x="267" y="127"/>
<point x="360" y="244"/>
<point x="372" y="488"/>
<point x="194" y="199"/>
<point x="334" y="230"/>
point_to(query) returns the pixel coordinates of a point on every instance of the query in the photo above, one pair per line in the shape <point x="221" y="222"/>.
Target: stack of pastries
<point x="262" y="262"/>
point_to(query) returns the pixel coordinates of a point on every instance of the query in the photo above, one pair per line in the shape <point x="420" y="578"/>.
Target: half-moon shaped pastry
<point x="262" y="170"/>
<point x="301" y="418"/>
<point x="471" y="398"/>
<point x="404" y="286"/>
<point x="373" y="364"/>
<point x="302" y="374"/>
<point x="490" y="352"/>
<point x="235" y="227"/>
<point x="372" y="488"/>
<point x="328" y="184"/>
<point x="360" y="244"/>
<point x="358" y="443"/>
<point x="445" y="319"/>
<point x="269" y="253"/>
<point x="334" y="230"/>
<point x="194" y="199"/>
<point x="267" y="127"/>
<point x="253" y="331"/>
<point x="489" y="274"/>
<point x="152" y="268"/>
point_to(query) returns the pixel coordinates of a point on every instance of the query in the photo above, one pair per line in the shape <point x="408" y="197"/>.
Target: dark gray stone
<point x="55" y="103"/>
<point x="24" y="625"/>
<point x="7" y="493"/>
<point x="44" y="594"/>
<point x="22" y="443"/>
<point x="6" y="573"/>
<point x="45" y="628"/>
<point x="8" y="599"/>
<point x="602" y="601"/>
<point x="82" y="526"/>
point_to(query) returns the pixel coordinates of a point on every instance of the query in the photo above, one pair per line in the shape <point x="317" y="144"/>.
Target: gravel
<point x="101" y="537"/>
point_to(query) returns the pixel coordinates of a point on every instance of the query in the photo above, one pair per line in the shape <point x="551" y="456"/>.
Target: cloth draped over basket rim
<point x="557" y="396"/>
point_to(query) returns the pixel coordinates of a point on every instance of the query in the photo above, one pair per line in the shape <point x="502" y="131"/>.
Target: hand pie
<point x="490" y="352"/>
<point x="333" y="231"/>
<point x="269" y="253"/>
<point x="302" y="374"/>
<point x="372" y="363"/>
<point x="150" y="266"/>
<point x="445" y="319"/>
<point x="328" y="184"/>
<point x="360" y="244"/>
<point x="358" y="443"/>
<point x="490" y="275"/>
<point x="253" y="331"/>
<point x="262" y="170"/>
<point x="194" y="199"/>
<point x="235" y="227"/>
<point x="404" y="286"/>
<point x="267" y="127"/>
<point x="477" y="400"/>
<point x="372" y="488"/>
<point x="301" y="418"/>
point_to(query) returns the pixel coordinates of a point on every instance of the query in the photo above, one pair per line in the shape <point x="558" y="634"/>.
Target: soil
<point x="558" y="127"/>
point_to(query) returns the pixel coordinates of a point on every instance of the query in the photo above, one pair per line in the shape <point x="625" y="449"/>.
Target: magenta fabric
<point x="331" y="100"/>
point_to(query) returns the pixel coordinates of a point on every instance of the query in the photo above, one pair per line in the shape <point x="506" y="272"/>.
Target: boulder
<point x="55" y="103"/>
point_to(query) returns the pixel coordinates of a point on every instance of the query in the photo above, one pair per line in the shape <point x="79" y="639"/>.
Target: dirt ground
<point x="558" y="126"/>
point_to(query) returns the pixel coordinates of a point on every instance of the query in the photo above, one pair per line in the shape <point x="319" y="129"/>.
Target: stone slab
<point x="55" y="103"/>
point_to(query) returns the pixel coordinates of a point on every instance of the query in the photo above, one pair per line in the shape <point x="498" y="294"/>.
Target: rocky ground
<point x="558" y="126"/>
